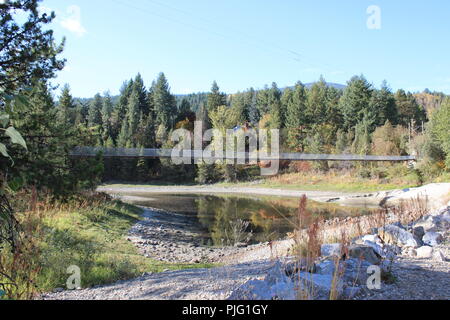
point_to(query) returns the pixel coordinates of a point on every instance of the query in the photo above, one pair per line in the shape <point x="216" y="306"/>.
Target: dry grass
<point x="311" y="233"/>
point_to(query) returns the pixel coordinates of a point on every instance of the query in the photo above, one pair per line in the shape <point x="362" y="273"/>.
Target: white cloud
<point x="73" y="21"/>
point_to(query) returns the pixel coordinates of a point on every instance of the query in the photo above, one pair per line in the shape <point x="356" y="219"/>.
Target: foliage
<point x="439" y="129"/>
<point x="27" y="50"/>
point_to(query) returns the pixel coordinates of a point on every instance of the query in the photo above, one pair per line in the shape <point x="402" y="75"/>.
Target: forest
<point x="317" y="118"/>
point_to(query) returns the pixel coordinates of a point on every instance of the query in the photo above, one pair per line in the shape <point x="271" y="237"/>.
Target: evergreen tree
<point x="46" y="165"/>
<point x="252" y="112"/>
<point x="355" y="101"/>
<point x="107" y="109"/>
<point x="133" y="116"/>
<point x="124" y="135"/>
<point x="120" y="109"/>
<point x="95" y="111"/>
<point x="216" y="98"/>
<point x="276" y="109"/>
<point x="382" y="105"/>
<point x="138" y="86"/>
<point x="164" y="103"/>
<point x="362" y="142"/>
<point x="295" y="101"/>
<point x="66" y="106"/>
<point x="317" y="102"/>
<point x="408" y="109"/>
<point x="27" y="47"/>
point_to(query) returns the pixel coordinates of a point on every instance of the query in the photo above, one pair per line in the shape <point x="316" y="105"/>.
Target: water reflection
<point x="230" y="220"/>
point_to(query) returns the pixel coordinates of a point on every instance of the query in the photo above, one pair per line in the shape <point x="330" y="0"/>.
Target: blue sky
<point x="251" y="43"/>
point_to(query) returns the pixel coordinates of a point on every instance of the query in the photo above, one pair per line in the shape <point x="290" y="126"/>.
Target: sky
<point x="251" y="43"/>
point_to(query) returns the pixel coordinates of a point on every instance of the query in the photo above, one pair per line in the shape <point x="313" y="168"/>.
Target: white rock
<point x="376" y="247"/>
<point x="398" y="236"/>
<point x="331" y="249"/>
<point x="372" y="238"/>
<point x="425" y="252"/>
<point x="432" y="238"/>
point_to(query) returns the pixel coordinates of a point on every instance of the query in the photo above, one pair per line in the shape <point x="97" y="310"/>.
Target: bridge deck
<point x="198" y="154"/>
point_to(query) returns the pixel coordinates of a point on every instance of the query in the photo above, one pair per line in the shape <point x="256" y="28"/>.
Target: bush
<point x="364" y="173"/>
<point x="396" y="171"/>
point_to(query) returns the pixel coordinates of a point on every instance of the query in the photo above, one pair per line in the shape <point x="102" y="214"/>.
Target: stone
<point x="355" y="271"/>
<point x="392" y="234"/>
<point x="378" y="248"/>
<point x="319" y="286"/>
<point x="372" y="238"/>
<point x="326" y="267"/>
<point x="365" y="253"/>
<point x="424" y="252"/>
<point x="331" y="249"/>
<point x="398" y="224"/>
<point x="293" y="267"/>
<point x="433" y="223"/>
<point x="432" y="238"/>
<point x="419" y="232"/>
<point x="351" y="292"/>
<point x="410" y="252"/>
<point x="58" y="290"/>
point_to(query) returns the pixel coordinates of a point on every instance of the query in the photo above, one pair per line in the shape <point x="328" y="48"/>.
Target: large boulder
<point x="277" y="286"/>
<point x="434" y="222"/>
<point x="326" y="267"/>
<point x="331" y="249"/>
<point x="424" y="252"/>
<point x="432" y="238"/>
<point x="398" y="236"/>
<point x="364" y="252"/>
<point x="319" y="287"/>
<point x="419" y="232"/>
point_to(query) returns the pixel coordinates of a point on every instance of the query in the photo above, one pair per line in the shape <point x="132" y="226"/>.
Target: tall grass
<point x="88" y="231"/>
<point x="312" y="232"/>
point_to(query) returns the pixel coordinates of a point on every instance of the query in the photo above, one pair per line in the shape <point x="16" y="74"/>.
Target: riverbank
<point x="410" y="274"/>
<point x="88" y="232"/>
<point x="414" y="273"/>
<point x="436" y="194"/>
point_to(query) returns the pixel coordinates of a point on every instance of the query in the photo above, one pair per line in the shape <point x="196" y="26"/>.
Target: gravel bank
<point x="173" y="238"/>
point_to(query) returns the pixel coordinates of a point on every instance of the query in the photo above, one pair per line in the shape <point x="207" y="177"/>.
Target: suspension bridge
<point x="81" y="152"/>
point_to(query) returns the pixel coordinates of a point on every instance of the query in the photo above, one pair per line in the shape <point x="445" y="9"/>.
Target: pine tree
<point x="408" y="109"/>
<point x="317" y="102"/>
<point x="138" y="86"/>
<point x="107" y="109"/>
<point x="133" y="116"/>
<point x="276" y="108"/>
<point x="66" y="106"/>
<point x="216" y="98"/>
<point x="164" y="103"/>
<point x="355" y="101"/>
<point x="95" y="111"/>
<point x="124" y="135"/>
<point x="383" y="106"/>
<point x="295" y="101"/>
<point x="252" y="112"/>
<point x="362" y="142"/>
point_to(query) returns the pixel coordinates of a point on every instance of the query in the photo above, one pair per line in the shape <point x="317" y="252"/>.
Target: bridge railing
<point x="199" y="154"/>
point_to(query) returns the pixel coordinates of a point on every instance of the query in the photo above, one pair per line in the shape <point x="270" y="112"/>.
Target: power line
<point x="295" y="56"/>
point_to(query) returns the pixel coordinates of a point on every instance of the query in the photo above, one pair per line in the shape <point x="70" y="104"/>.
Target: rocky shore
<point x="412" y="259"/>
